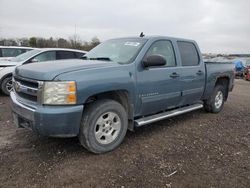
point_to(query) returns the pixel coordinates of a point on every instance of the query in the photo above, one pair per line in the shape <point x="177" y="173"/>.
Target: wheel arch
<point x="224" y="81"/>
<point x="121" y="96"/>
<point x="5" y="76"/>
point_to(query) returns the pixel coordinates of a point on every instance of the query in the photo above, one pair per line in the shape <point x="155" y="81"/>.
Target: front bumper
<point x="53" y="121"/>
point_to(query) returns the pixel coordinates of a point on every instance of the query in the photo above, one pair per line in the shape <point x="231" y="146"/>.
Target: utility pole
<point x="75" y="36"/>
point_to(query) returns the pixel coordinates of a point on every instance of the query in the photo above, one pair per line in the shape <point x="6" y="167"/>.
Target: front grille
<point x="26" y="88"/>
<point x="29" y="83"/>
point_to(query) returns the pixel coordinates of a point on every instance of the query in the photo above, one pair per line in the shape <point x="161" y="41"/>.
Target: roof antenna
<point x="142" y="34"/>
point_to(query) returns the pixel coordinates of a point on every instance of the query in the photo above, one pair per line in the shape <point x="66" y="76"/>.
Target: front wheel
<point x="6" y="85"/>
<point x="104" y="126"/>
<point x="216" y="102"/>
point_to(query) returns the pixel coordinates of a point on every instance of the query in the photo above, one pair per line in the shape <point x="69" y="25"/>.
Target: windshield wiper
<point x="97" y="58"/>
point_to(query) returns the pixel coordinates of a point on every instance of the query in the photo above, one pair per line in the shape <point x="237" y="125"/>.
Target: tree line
<point x="39" y="42"/>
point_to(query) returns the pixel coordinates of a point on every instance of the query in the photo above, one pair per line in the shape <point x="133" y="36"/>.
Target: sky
<point x="219" y="26"/>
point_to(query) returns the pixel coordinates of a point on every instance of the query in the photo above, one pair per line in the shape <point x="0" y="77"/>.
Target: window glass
<point x="25" y="50"/>
<point x="25" y="56"/>
<point x="189" y="54"/>
<point x="45" y="56"/>
<point x="65" y="55"/>
<point x="118" y="50"/>
<point x="10" y="52"/>
<point x="165" y="49"/>
<point x="79" y="54"/>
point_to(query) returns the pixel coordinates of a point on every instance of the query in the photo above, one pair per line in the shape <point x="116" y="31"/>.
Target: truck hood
<point x="49" y="70"/>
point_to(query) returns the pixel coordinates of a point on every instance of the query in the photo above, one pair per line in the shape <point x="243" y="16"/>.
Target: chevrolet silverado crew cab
<point x="119" y="85"/>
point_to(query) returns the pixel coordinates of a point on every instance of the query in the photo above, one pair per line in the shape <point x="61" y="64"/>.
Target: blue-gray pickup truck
<point x="119" y="85"/>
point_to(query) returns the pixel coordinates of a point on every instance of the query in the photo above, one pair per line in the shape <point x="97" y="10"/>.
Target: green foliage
<point x="32" y="42"/>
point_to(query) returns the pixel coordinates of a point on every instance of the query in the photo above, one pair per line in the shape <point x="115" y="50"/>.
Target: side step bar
<point x="165" y="115"/>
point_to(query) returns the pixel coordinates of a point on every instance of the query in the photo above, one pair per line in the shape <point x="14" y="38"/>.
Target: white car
<point x="33" y="56"/>
<point x="8" y="52"/>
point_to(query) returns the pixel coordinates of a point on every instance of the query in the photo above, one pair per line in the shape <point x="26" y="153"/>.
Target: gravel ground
<point x="197" y="149"/>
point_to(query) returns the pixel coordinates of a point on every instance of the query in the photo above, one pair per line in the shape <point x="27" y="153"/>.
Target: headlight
<point x="59" y="93"/>
<point x="1" y="68"/>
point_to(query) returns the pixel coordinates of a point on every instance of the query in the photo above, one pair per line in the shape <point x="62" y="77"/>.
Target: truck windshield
<point x="25" y="56"/>
<point x="117" y="50"/>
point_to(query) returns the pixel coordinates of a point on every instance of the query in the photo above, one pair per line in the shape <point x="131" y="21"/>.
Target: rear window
<point x="189" y="54"/>
<point x="65" y="55"/>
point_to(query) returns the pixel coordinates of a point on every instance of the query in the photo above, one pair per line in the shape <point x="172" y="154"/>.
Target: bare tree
<point x="73" y="42"/>
<point x="62" y="43"/>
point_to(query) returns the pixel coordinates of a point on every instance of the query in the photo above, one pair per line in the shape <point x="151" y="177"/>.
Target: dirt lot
<point x="193" y="150"/>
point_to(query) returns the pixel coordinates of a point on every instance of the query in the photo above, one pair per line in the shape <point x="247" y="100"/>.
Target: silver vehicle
<point x="8" y="52"/>
<point x="33" y="56"/>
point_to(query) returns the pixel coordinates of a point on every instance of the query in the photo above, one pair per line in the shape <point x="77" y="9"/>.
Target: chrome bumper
<point x="55" y="121"/>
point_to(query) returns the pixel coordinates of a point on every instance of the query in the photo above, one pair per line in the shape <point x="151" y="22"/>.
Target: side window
<point x="65" y="55"/>
<point x="25" y="50"/>
<point x="189" y="54"/>
<point x="10" y="52"/>
<point x="79" y="55"/>
<point x="165" y="49"/>
<point x="45" y="56"/>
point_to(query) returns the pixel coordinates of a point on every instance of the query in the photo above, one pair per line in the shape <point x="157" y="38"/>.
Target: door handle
<point x="174" y="75"/>
<point x="199" y="72"/>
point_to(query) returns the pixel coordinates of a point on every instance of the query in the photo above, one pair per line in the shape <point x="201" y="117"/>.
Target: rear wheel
<point x="216" y="102"/>
<point x="104" y="126"/>
<point x="6" y="85"/>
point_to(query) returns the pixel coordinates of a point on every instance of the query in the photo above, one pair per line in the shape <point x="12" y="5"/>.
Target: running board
<point x="165" y="115"/>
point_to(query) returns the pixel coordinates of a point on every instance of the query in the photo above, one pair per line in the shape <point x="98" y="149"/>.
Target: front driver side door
<point x="159" y="87"/>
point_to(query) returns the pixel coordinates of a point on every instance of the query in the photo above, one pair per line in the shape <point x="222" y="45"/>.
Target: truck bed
<point x="215" y="70"/>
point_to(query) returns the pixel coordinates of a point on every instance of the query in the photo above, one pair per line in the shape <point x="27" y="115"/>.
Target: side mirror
<point x="34" y="60"/>
<point x="154" y="61"/>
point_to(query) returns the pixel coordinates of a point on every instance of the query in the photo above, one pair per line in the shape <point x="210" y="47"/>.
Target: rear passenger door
<point x="192" y="73"/>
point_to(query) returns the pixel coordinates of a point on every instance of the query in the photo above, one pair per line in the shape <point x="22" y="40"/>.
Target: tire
<point x="6" y="85"/>
<point x="104" y="126"/>
<point x="216" y="102"/>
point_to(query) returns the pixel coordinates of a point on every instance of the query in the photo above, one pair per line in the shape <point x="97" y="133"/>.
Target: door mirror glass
<point x="154" y="61"/>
